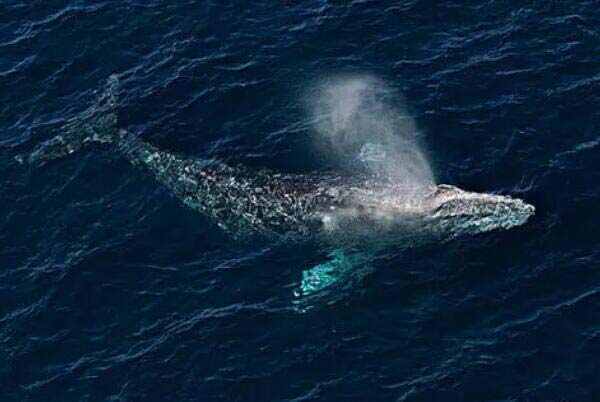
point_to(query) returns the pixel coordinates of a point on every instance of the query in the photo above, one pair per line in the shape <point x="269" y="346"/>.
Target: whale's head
<point x="389" y="213"/>
<point x="457" y="211"/>
<point x="444" y="210"/>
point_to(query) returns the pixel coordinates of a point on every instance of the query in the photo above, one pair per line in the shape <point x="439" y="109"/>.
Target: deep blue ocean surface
<point x="112" y="290"/>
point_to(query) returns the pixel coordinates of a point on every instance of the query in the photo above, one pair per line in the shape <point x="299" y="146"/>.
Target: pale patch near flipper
<point x="343" y="270"/>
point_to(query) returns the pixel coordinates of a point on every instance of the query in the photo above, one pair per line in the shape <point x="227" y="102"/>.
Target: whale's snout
<point x="513" y="211"/>
<point x="528" y="211"/>
<point x="465" y="211"/>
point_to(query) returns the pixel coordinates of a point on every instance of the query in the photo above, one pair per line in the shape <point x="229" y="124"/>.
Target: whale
<point x="341" y="209"/>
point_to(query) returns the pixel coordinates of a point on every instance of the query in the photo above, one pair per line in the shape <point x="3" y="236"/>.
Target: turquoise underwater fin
<point x="343" y="270"/>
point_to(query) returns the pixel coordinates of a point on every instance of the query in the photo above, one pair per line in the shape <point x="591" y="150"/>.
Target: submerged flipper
<point x="343" y="270"/>
<point x="97" y="124"/>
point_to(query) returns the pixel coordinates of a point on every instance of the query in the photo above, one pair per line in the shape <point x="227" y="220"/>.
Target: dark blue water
<point x="111" y="290"/>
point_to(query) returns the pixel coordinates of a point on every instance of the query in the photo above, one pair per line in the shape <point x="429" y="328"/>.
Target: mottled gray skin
<point x="239" y="200"/>
<point x="341" y="209"/>
<point x="242" y="201"/>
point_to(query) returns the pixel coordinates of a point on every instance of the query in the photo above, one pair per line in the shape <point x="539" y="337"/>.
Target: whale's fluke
<point x="96" y="124"/>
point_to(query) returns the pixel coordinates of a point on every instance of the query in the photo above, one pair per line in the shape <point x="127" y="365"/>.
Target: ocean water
<point x="111" y="290"/>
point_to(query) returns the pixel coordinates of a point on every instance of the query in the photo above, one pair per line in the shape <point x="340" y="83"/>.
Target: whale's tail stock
<point x="96" y="124"/>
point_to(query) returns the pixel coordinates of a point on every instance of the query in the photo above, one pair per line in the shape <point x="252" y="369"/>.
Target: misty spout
<point x="361" y="124"/>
